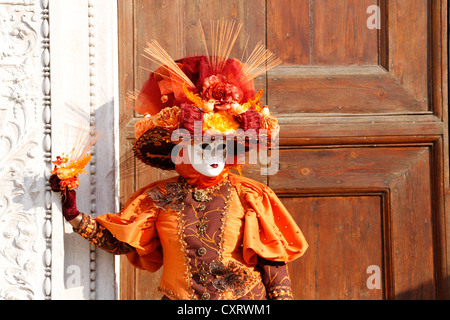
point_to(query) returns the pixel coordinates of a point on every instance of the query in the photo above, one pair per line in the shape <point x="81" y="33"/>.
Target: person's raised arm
<point x="85" y="225"/>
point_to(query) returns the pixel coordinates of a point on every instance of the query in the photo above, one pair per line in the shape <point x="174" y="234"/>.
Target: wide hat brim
<point x="154" y="148"/>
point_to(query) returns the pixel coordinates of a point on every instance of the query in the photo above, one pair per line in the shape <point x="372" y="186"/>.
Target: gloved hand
<point x="69" y="201"/>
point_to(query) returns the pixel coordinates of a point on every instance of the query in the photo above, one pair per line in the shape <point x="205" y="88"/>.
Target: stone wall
<point x="58" y="73"/>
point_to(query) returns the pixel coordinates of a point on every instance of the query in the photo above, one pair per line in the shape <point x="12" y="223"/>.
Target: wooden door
<point x="364" y="134"/>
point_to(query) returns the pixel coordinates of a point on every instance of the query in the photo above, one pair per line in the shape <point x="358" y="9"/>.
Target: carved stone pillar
<point x="58" y="71"/>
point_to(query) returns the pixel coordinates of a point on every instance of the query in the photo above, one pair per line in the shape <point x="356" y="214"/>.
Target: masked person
<point x="217" y="234"/>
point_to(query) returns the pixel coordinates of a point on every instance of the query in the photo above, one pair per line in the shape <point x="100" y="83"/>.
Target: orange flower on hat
<point x="268" y="122"/>
<point x="221" y="121"/>
<point x="168" y="118"/>
<point x="143" y="125"/>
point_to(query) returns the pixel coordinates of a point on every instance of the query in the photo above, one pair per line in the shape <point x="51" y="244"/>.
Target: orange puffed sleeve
<point x="135" y="225"/>
<point x="269" y="231"/>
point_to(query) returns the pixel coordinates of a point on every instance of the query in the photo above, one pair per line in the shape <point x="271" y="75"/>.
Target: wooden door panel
<point x="324" y="32"/>
<point x="409" y="37"/>
<point x="345" y="238"/>
<point x="340" y="35"/>
<point x="385" y="194"/>
<point x="347" y="167"/>
<point x="335" y="64"/>
<point x="308" y="91"/>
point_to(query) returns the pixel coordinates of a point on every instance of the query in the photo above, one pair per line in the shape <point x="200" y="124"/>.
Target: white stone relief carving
<point x="34" y="247"/>
<point x="21" y="151"/>
<point x="26" y="188"/>
<point x="19" y="232"/>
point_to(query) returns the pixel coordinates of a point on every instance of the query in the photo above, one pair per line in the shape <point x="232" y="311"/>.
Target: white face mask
<point x="208" y="159"/>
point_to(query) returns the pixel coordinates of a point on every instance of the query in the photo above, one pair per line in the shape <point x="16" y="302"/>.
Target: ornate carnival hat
<point x="208" y="94"/>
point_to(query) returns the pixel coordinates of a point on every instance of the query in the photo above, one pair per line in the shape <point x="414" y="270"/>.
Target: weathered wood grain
<point x="364" y="133"/>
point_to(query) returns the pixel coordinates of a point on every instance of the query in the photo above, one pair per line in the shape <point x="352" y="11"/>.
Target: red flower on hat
<point x="189" y="114"/>
<point x="250" y="120"/>
<point x="217" y="88"/>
